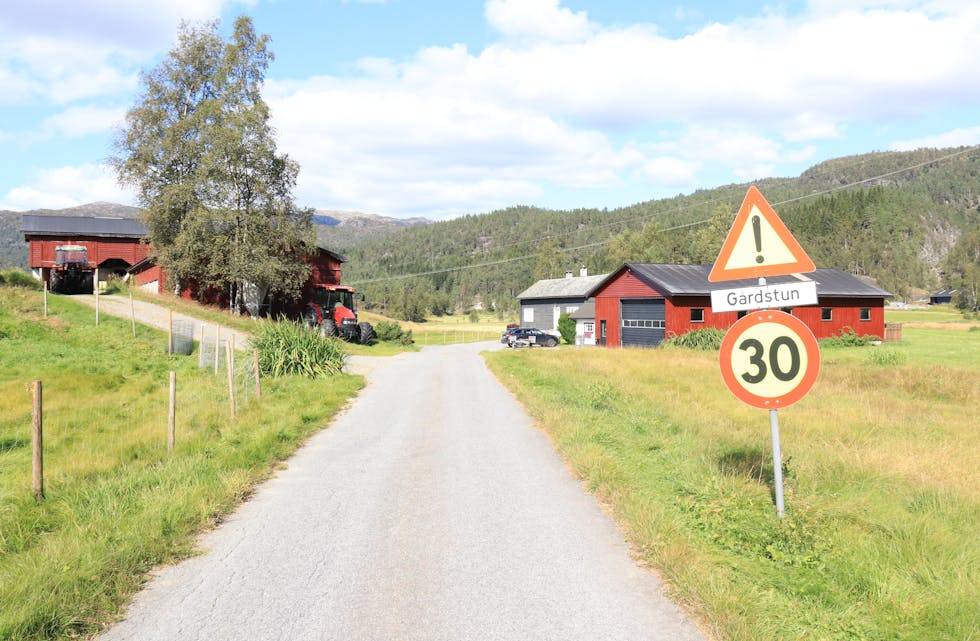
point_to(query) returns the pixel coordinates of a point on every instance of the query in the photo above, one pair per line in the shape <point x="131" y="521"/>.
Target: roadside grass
<point x="117" y="504"/>
<point x="882" y="469"/>
<point x="445" y="330"/>
<point x="931" y="314"/>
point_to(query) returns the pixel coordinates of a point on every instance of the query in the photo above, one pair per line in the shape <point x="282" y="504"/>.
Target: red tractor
<point x="334" y="312"/>
<point x="71" y="273"/>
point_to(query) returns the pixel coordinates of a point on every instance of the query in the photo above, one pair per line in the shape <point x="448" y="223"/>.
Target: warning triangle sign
<point x="758" y="245"/>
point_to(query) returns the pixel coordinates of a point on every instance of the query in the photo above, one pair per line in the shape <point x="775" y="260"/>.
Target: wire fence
<point x="90" y="425"/>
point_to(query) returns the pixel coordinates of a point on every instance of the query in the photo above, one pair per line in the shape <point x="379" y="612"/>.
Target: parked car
<point x="531" y="337"/>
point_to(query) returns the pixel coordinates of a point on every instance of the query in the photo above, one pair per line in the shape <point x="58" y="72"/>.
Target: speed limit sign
<point x="769" y="359"/>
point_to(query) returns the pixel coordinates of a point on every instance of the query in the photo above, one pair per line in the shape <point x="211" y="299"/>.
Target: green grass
<point x="930" y="314"/>
<point x="117" y="503"/>
<point x="882" y="487"/>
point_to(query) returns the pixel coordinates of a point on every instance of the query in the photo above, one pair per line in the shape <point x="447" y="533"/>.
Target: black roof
<point x="692" y="280"/>
<point x="36" y="225"/>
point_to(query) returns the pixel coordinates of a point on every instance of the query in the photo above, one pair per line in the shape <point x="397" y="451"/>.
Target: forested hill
<point x="893" y="216"/>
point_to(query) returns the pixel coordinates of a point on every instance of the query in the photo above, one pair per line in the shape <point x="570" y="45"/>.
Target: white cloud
<point x="66" y="187"/>
<point x="82" y="120"/>
<point x="955" y="138"/>
<point x="537" y="20"/>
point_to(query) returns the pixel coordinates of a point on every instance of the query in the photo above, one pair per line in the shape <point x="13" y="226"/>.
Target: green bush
<point x="706" y="338"/>
<point x="19" y="278"/>
<point x="848" y="338"/>
<point x="288" y="347"/>
<point x="566" y="327"/>
<point x="391" y="332"/>
<point x="886" y="357"/>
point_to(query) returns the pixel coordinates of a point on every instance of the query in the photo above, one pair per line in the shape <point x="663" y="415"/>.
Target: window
<point x="697" y="314"/>
<point x="865" y="313"/>
<point x="589" y="327"/>
<point x="646" y="324"/>
<point x="528" y="314"/>
<point x="826" y="313"/>
<point x="743" y="313"/>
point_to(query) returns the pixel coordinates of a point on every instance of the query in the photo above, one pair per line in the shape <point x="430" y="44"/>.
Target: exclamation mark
<point x="757" y="231"/>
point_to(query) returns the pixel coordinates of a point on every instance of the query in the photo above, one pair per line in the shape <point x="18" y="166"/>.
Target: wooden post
<point x="230" y="361"/>
<point x="200" y="349"/>
<point x="172" y="416"/>
<point x="170" y="332"/>
<point x="45" y="299"/>
<point x="255" y="365"/>
<point x="132" y="313"/>
<point x="37" y="445"/>
<point x="217" y="347"/>
<point x="96" y="288"/>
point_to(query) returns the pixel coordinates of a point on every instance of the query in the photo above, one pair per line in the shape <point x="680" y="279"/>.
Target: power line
<point x="816" y="194"/>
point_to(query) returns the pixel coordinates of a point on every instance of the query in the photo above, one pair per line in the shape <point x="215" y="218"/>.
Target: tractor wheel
<point x="328" y="327"/>
<point x="367" y="333"/>
<point x="55" y="282"/>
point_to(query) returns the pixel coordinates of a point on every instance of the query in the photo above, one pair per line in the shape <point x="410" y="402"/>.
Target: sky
<point x="443" y="108"/>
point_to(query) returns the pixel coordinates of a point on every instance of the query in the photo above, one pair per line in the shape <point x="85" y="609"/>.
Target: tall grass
<point x="117" y="503"/>
<point x="288" y="347"/>
<point x="882" y="486"/>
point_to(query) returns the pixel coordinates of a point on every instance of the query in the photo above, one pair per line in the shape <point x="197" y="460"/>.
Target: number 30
<point x="760" y="365"/>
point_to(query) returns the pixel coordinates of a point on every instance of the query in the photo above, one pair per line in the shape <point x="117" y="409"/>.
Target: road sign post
<point x="769" y="359"/>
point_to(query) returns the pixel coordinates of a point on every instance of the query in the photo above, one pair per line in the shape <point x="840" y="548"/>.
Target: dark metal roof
<point x="585" y="312"/>
<point x="692" y="280"/>
<point x="36" y="225"/>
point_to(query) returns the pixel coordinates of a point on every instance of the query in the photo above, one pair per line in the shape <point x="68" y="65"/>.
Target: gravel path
<point x="159" y="317"/>
<point x="430" y="510"/>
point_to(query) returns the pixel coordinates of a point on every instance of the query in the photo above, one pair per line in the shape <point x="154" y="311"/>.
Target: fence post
<point x="255" y="364"/>
<point x="217" y="347"/>
<point x="132" y="313"/>
<point x="37" y="442"/>
<point x="170" y="332"/>
<point x="230" y="360"/>
<point x="45" y="299"/>
<point x="96" y="288"/>
<point x="200" y="351"/>
<point x="172" y="415"/>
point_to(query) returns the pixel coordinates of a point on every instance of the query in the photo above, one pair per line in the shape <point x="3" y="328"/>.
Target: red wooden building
<point x="643" y="303"/>
<point x="113" y="244"/>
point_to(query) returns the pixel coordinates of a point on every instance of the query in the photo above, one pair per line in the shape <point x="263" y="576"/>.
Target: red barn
<point x="643" y="303"/>
<point x="113" y="244"/>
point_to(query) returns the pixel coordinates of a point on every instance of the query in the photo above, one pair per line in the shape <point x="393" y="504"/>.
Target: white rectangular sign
<point x="765" y="296"/>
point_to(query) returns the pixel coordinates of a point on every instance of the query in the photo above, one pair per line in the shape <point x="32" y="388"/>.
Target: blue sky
<point x="440" y="109"/>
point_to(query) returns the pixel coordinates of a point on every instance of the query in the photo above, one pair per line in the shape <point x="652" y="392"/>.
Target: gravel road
<point x="158" y="316"/>
<point x="430" y="510"/>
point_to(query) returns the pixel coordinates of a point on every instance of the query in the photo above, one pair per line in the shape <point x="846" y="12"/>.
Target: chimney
<point x="568" y="274"/>
<point x="584" y="271"/>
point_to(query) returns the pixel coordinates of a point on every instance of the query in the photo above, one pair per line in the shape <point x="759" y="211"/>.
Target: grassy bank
<point x="117" y="503"/>
<point x="881" y="463"/>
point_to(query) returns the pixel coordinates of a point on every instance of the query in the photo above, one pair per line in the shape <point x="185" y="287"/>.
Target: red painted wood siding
<point x="41" y="250"/>
<point x="679" y="315"/>
<point x="845" y="312"/>
<point x="626" y="285"/>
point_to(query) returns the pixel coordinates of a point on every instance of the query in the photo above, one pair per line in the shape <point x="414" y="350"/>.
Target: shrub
<point x="391" y="332"/>
<point x="288" y="347"/>
<point x="848" y="338"/>
<point x="19" y="278"/>
<point x="706" y="338"/>
<point x="886" y="358"/>
<point x="566" y="327"/>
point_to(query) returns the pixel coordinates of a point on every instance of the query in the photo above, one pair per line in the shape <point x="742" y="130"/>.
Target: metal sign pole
<point x="777" y="462"/>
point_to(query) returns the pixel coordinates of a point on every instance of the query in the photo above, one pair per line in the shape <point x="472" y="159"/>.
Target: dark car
<point x="531" y="337"/>
<point x="505" y="338"/>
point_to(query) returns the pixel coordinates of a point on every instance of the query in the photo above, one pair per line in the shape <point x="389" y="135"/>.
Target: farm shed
<point x="113" y="244"/>
<point x="584" y="318"/>
<point x="640" y="304"/>
<point x="544" y="301"/>
<point x="943" y="297"/>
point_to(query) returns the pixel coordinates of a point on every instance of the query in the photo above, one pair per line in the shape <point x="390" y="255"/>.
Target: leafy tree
<point x="566" y="327"/>
<point x="198" y="148"/>
<point x="963" y="270"/>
